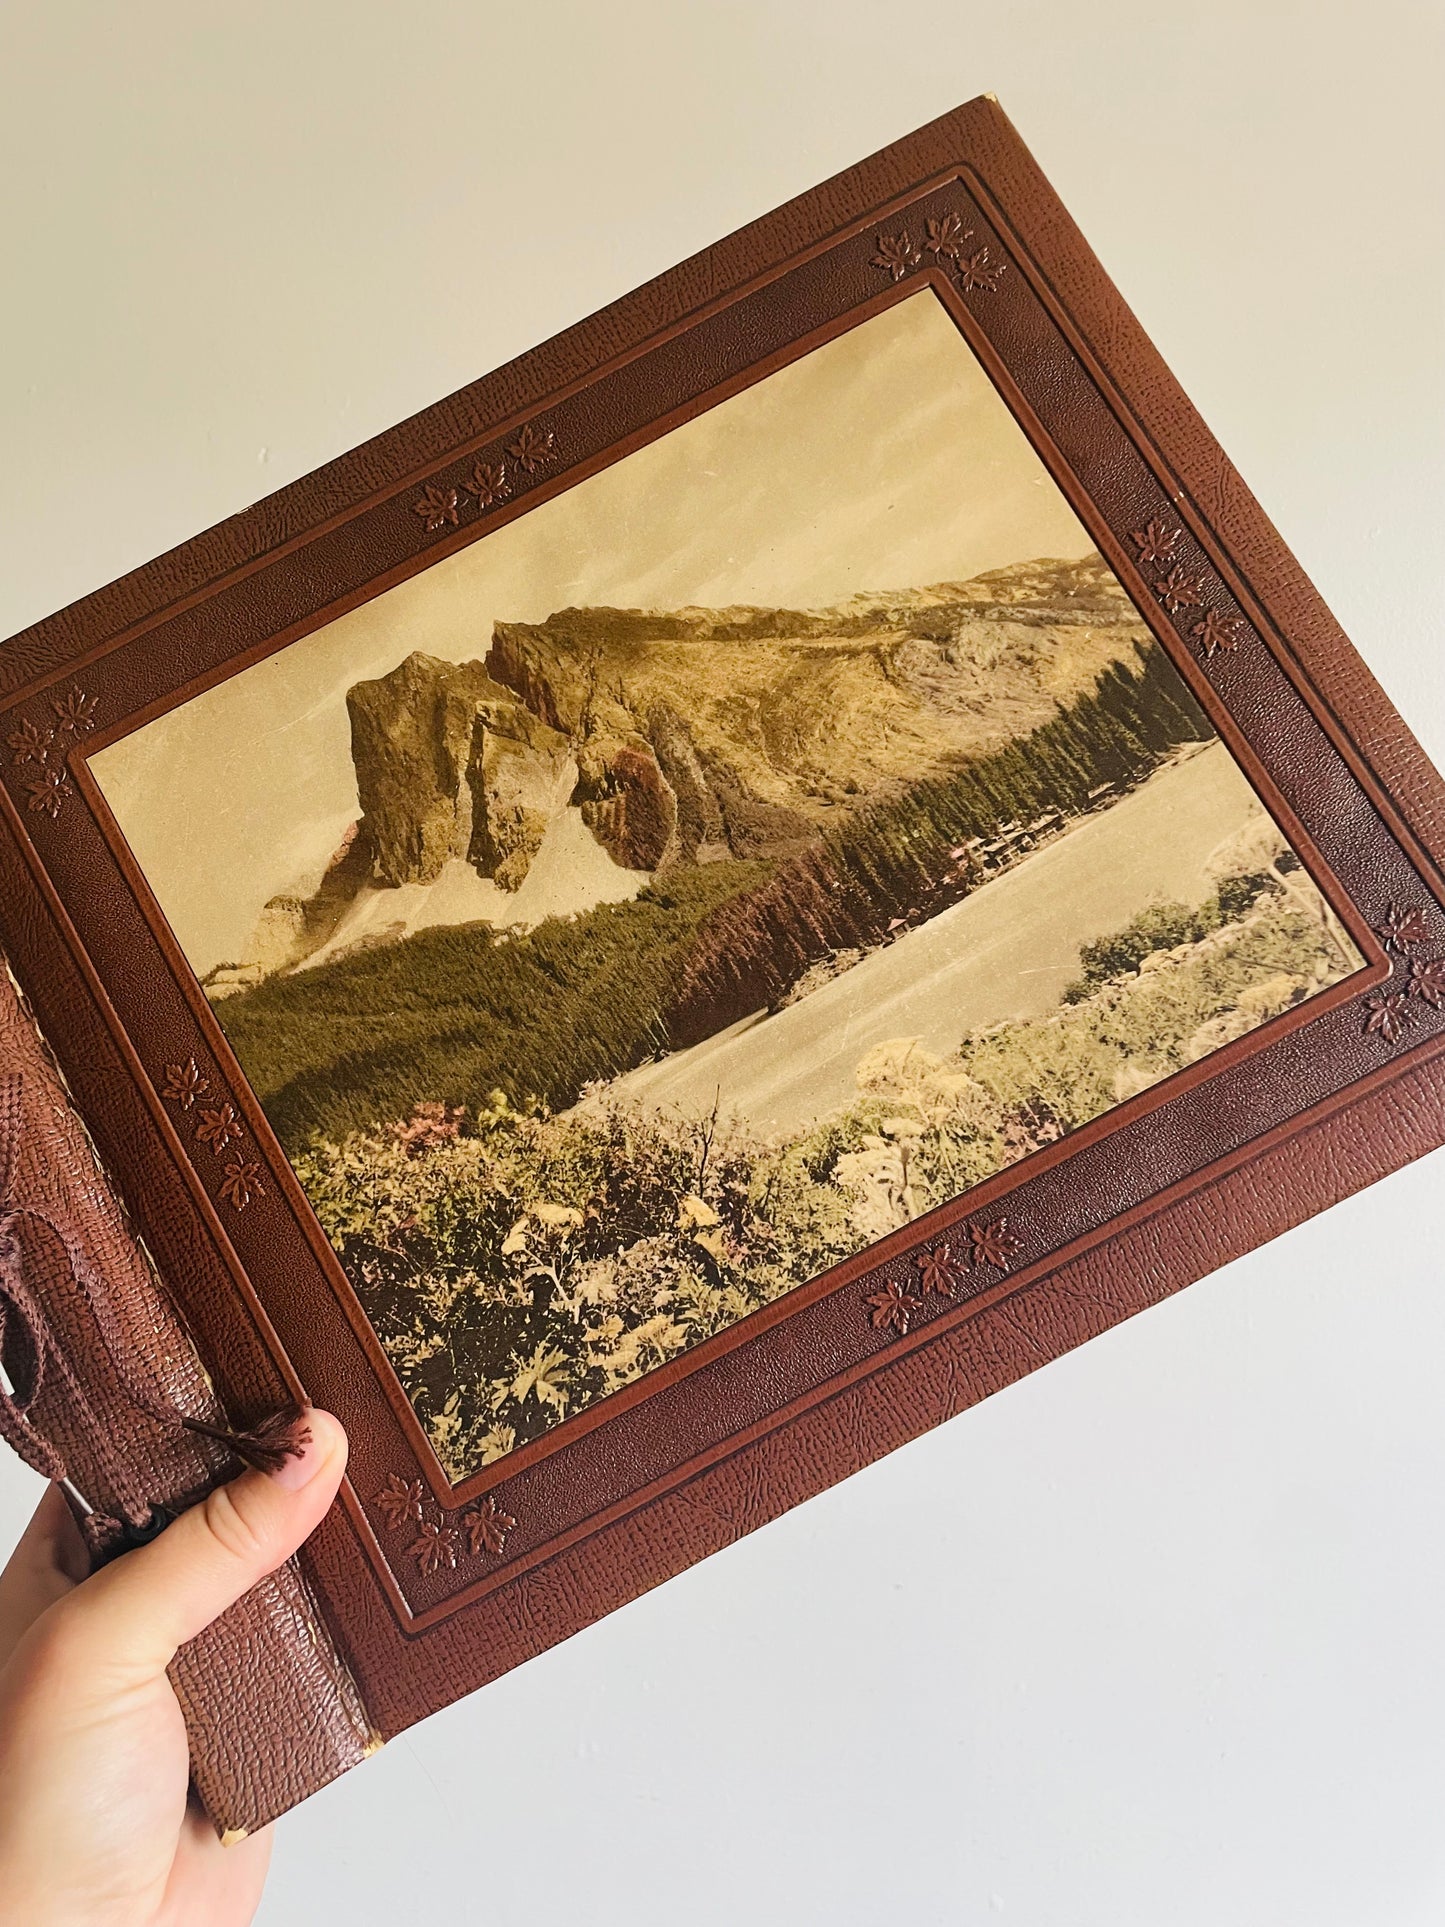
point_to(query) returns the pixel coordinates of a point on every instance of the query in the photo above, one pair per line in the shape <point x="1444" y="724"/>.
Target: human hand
<point x="95" y="1826"/>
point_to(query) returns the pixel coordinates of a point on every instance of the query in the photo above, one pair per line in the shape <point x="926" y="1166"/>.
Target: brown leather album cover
<point x="686" y="914"/>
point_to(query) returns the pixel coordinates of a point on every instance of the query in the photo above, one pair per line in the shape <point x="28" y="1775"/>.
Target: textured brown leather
<point x="1212" y="1162"/>
<point x="267" y="1668"/>
<point x="271" y="1708"/>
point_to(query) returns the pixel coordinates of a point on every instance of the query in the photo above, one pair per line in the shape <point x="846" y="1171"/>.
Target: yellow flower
<point x="558" y="1217"/>
<point x="545" y="1377"/>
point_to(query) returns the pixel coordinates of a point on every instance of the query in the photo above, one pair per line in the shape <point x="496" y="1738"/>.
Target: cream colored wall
<point x="1151" y="1640"/>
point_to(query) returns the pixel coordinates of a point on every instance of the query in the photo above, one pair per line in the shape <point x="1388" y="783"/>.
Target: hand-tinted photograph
<point x="689" y="883"/>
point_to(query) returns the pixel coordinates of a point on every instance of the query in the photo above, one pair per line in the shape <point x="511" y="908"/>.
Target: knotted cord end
<point x="266" y="1445"/>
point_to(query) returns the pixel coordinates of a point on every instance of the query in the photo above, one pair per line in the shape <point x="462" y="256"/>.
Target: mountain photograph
<point x="609" y="961"/>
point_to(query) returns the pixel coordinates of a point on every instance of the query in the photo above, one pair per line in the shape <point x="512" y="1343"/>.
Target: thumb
<point x="136" y="1612"/>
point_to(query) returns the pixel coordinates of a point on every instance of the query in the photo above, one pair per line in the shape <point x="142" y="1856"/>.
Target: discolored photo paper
<point x="715" y="898"/>
<point x="748" y="852"/>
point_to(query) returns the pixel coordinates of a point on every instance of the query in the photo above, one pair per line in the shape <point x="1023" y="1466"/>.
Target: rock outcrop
<point x="450" y="764"/>
<point x="292" y="928"/>
<point x="742" y="731"/>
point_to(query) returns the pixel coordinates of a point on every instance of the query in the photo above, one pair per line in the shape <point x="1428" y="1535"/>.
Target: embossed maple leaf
<point x="487" y="1527"/>
<point x="938" y="1271"/>
<point x="893" y="1308"/>
<point x="897" y="254"/>
<point x="946" y="236"/>
<point x="220" y="1127"/>
<point x="531" y="448"/>
<point x="185" y="1083"/>
<point x="992" y="1243"/>
<point x="1427" y="981"/>
<point x="48" y="789"/>
<point x="436" y="507"/>
<point x="399" y="1502"/>
<point x="1402" y="927"/>
<point x="435" y="1547"/>
<point x="31" y="745"/>
<point x="1180" y="589"/>
<point x="1156" y="542"/>
<point x="980" y="271"/>
<point x="1388" y="1015"/>
<point x="74" y="712"/>
<point x="1216" y="632"/>
<point x="489" y="483"/>
<point x="242" y="1182"/>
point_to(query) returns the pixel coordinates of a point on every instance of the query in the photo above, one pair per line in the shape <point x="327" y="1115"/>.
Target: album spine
<point x="271" y="1708"/>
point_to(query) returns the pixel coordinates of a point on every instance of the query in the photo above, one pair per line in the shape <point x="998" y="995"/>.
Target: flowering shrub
<point x="520" y="1265"/>
<point x="428" y="1126"/>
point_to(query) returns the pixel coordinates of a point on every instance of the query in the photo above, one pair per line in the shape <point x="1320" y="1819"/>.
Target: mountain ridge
<point x="682" y="736"/>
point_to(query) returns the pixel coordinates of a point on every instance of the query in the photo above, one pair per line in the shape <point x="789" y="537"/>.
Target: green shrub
<point x="1162" y="926"/>
<point x="1237" y="894"/>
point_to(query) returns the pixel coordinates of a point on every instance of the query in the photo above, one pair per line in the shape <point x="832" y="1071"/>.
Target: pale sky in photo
<point x="883" y="460"/>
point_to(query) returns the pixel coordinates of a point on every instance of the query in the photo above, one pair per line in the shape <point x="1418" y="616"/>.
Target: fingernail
<point x="299" y="1470"/>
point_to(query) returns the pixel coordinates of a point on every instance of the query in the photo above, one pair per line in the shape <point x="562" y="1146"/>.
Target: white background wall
<point x="1152" y="1639"/>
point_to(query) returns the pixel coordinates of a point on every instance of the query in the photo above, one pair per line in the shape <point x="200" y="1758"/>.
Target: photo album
<point x="669" y="924"/>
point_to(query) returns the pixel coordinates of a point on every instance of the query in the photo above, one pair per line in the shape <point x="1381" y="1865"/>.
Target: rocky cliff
<point x="450" y="764"/>
<point x="706" y="732"/>
<point x="694" y="735"/>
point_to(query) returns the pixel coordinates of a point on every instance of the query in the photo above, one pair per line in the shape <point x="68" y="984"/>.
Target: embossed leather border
<point x="611" y="1501"/>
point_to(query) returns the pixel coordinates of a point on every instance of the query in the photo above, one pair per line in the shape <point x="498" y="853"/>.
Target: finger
<point x="135" y="1613"/>
<point x="49" y="1560"/>
<point x="220" y="1885"/>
